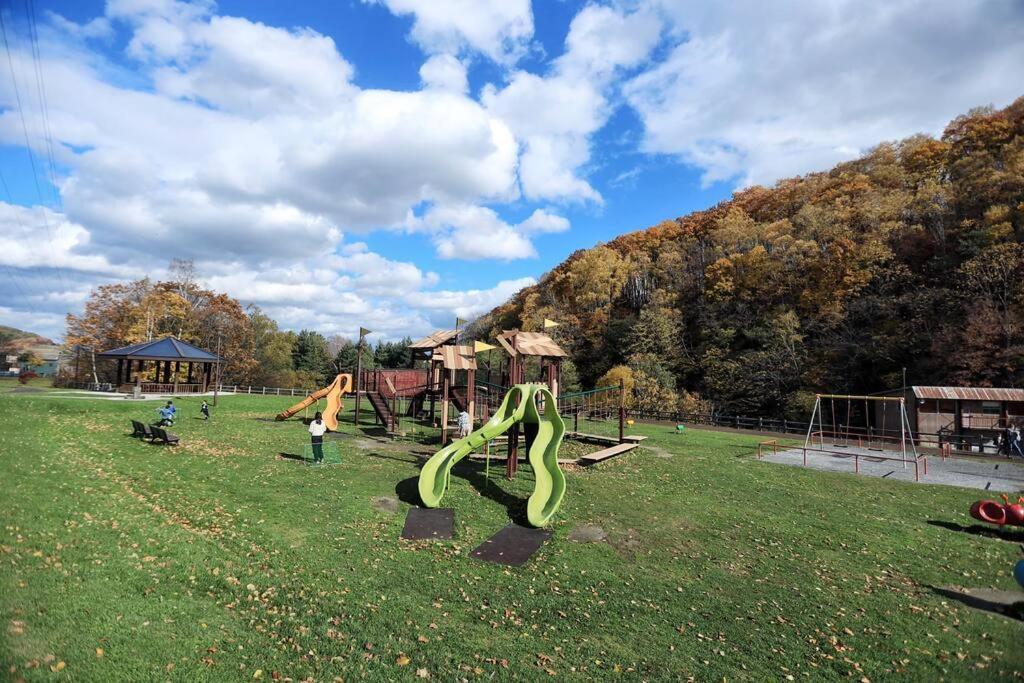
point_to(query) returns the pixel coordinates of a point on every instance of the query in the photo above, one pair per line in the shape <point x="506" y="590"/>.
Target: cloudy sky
<point x="395" y="163"/>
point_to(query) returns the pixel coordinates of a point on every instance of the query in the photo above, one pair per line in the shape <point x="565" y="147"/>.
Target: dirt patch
<point x="385" y="504"/>
<point x="588" y="533"/>
<point x="657" y="451"/>
<point x="627" y="542"/>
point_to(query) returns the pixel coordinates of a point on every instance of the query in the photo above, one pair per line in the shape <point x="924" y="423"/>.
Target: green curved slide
<point x="519" y="405"/>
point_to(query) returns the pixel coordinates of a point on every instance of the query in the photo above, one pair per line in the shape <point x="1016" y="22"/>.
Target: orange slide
<point x="333" y="392"/>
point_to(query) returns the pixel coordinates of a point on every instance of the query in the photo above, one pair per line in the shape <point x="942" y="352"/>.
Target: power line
<point x="44" y="113"/>
<point x="28" y="145"/>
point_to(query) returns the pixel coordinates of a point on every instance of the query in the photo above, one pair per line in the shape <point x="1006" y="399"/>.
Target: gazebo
<point x="167" y="356"/>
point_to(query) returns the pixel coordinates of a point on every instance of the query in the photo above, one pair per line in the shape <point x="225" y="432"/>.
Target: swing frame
<point x="815" y="439"/>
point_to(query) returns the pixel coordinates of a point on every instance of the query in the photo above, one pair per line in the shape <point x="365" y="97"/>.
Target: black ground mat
<point x="512" y="546"/>
<point x="427" y="523"/>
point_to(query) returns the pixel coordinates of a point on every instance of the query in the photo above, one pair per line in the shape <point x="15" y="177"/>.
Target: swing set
<point x="862" y="426"/>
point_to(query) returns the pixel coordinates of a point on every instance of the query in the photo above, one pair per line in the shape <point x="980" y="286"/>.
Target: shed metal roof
<point x="969" y="393"/>
<point x="167" y="348"/>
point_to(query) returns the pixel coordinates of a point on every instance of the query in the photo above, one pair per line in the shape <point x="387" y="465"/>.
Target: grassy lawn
<point x="9" y="383"/>
<point x="218" y="560"/>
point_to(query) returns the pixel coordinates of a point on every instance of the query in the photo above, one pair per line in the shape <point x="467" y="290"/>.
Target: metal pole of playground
<point x="359" y="374"/>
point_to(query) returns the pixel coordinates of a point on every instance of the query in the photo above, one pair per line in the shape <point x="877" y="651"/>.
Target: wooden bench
<point x="160" y="434"/>
<point x="606" y="453"/>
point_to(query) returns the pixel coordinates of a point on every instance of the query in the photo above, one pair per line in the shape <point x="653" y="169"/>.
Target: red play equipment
<point x="995" y="513"/>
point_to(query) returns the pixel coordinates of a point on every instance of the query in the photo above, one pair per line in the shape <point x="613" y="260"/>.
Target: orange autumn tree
<point x="911" y="256"/>
<point x="120" y="314"/>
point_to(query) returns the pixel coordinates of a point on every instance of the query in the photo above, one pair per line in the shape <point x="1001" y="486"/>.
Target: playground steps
<point x="605" y="454"/>
<point x="383" y="410"/>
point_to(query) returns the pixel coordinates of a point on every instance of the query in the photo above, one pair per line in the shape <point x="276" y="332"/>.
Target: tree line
<point x="905" y="262"/>
<point x="256" y="351"/>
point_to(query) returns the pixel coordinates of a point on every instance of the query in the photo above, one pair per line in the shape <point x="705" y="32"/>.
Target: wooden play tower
<point x="519" y="346"/>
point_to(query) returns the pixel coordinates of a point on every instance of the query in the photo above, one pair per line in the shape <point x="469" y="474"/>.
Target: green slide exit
<point x="519" y="405"/>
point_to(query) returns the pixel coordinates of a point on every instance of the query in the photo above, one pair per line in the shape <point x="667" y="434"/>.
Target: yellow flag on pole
<point x="479" y="347"/>
<point x="363" y="332"/>
<point x="460" y="321"/>
<point x="548" y="324"/>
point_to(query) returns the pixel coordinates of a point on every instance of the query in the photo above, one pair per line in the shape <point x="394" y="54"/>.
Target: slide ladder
<point x="518" y="406"/>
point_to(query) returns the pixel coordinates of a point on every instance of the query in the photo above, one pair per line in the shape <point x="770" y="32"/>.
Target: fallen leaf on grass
<point x="402" y="660"/>
<point x="59" y="666"/>
<point x="99" y="652"/>
<point x="422" y="673"/>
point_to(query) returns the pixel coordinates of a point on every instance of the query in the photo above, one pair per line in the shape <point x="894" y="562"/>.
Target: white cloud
<point x="757" y="91"/>
<point x="500" y="29"/>
<point x="444" y="72"/>
<point x="41" y="238"/>
<point x="555" y="115"/>
<point x="468" y="304"/>
<point x="465" y="231"/>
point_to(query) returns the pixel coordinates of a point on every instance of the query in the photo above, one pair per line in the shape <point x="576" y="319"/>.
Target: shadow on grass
<point x="1014" y="610"/>
<point x="411" y="460"/>
<point x="292" y="456"/>
<point x="979" y="530"/>
<point x="407" y="490"/>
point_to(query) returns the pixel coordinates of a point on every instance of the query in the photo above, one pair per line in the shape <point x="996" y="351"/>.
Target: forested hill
<point x="910" y="257"/>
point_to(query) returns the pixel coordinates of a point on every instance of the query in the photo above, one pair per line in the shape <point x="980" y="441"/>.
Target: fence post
<point x="622" y="410"/>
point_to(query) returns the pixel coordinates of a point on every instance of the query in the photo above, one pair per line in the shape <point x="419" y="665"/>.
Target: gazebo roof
<point x="168" y="348"/>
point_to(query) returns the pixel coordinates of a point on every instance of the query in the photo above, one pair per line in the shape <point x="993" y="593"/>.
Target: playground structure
<point x="533" y="406"/>
<point x="841" y="427"/>
<point x="333" y="392"/>
<point x="991" y="512"/>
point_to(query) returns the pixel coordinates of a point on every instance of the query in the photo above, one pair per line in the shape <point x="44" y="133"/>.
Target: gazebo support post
<point x="120" y="369"/>
<point x="177" y="368"/>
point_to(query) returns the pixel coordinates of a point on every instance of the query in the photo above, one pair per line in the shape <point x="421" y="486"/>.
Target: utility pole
<point x="216" y="381"/>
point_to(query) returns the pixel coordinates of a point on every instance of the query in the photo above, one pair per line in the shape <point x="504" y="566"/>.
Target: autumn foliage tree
<point x="910" y="257"/>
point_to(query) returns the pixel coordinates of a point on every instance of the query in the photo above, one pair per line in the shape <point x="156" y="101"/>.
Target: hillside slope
<point x="13" y="338"/>
<point x="910" y="257"/>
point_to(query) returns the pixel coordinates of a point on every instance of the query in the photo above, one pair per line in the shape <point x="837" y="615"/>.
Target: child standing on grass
<point x="316" y="431"/>
<point x="205" y="410"/>
<point x="465" y="424"/>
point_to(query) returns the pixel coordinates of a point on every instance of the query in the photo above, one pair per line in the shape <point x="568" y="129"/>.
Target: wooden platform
<point x="605" y="454"/>
<point x="593" y="438"/>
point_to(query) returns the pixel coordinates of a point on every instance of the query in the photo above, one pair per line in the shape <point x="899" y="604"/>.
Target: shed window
<point x="991" y="408"/>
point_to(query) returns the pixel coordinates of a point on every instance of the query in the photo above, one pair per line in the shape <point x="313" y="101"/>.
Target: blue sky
<point x="395" y="163"/>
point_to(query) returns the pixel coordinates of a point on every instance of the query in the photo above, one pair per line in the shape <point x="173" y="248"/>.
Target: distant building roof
<point x="456" y="357"/>
<point x="535" y="344"/>
<point x="168" y="348"/>
<point x="434" y="340"/>
<point x="969" y="393"/>
<point x="48" y="352"/>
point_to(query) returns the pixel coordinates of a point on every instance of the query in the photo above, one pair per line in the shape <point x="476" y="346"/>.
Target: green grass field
<point x="219" y="560"/>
